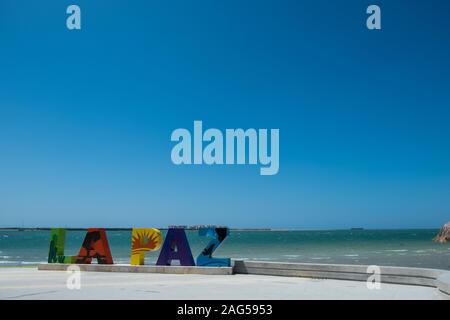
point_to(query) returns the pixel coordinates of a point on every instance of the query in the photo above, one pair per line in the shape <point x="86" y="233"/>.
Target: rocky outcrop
<point x="443" y="235"/>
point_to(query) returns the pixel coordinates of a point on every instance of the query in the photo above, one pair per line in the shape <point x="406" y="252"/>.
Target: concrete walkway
<point x="29" y="283"/>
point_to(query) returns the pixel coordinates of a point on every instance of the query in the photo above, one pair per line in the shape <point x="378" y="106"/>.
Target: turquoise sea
<point x="411" y="248"/>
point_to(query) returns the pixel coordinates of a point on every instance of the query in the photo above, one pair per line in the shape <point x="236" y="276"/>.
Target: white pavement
<point x="29" y="283"/>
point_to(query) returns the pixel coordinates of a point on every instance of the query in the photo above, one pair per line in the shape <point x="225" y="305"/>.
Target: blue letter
<point x="205" y="258"/>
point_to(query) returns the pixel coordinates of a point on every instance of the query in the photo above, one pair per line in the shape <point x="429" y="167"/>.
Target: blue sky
<point x="86" y="116"/>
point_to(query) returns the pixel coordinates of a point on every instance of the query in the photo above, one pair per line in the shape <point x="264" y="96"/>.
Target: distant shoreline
<point x="130" y="229"/>
<point x="198" y="227"/>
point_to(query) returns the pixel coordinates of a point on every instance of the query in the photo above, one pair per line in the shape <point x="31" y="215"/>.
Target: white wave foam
<point x="20" y="263"/>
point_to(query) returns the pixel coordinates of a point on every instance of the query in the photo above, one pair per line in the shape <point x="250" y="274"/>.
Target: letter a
<point x="74" y="20"/>
<point x="181" y="152"/>
<point x="175" y="247"/>
<point x="374" y="20"/>
<point x="95" y="245"/>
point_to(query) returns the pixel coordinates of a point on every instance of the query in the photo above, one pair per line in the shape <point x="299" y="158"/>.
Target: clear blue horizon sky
<point x="86" y="116"/>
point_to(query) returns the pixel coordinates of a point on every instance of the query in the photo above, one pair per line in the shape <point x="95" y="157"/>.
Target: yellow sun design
<point x="145" y="240"/>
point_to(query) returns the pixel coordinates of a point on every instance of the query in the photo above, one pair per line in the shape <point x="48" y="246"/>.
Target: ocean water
<point x="410" y="248"/>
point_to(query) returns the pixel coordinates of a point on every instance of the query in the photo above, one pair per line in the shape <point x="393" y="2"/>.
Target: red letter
<point x="95" y="245"/>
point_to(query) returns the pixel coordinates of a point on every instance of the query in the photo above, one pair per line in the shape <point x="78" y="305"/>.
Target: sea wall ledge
<point x="443" y="284"/>
<point x="435" y="278"/>
<point x="139" y="269"/>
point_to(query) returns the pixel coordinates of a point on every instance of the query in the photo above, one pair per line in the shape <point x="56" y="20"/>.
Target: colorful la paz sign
<point x="175" y="247"/>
